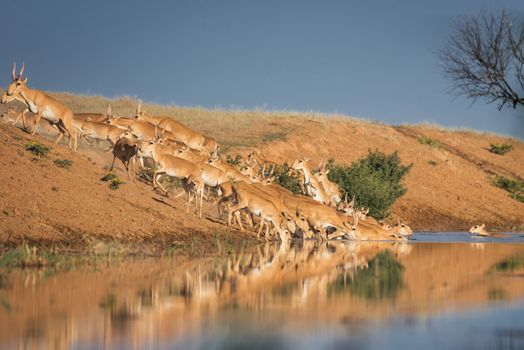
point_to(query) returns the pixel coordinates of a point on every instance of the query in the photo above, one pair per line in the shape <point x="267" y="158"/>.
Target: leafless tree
<point x="484" y="58"/>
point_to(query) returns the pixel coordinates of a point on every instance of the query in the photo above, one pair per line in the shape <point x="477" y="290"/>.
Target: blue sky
<point x="371" y="59"/>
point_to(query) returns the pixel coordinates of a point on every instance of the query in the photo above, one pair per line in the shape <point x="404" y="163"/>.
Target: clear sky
<point x="371" y="59"/>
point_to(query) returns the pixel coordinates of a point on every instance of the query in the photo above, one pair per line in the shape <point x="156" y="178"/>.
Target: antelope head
<point x="478" y="229"/>
<point x="146" y="149"/>
<point x="300" y="163"/>
<point x="301" y="221"/>
<point x="140" y="114"/>
<point x="17" y="85"/>
<point x="268" y="181"/>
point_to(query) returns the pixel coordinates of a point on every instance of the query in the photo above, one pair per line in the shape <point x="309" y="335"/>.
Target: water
<point x="447" y="291"/>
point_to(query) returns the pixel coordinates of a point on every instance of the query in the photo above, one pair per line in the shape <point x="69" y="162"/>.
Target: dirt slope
<point x="451" y="195"/>
<point x="39" y="201"/>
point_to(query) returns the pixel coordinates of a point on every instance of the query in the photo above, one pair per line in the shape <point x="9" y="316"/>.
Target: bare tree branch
<point x="484" y="58"/>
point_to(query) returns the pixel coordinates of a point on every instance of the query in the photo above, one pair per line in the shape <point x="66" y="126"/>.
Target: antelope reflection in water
<point x="300" y="287"/>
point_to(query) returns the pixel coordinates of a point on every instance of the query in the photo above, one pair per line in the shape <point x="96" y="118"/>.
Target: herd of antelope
<point x="245" y="191"/>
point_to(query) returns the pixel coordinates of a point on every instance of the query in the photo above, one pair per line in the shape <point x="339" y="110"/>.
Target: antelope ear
<point x="25" y="80"/>
<point x="327" y="171"/>
<point x="482" y="226"/>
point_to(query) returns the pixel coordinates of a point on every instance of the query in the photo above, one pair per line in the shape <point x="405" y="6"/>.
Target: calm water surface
<point x="449" y="291"/>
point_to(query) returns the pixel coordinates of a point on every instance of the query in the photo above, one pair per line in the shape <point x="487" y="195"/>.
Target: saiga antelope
<point x="175" y="167"/>
<point x="330" y="187"/>
<point x="313" y="187"/>
<point x="126" y="150"/>
<point x="43" y="106"/>
<point x="191" y="138"/>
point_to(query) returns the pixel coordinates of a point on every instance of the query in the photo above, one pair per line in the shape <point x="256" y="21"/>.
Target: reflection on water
<point x="306" y="295"/>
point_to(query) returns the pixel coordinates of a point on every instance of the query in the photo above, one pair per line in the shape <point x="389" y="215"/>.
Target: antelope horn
<point x="139" y="107"/>
<point x="353" y="201"/>
<point x="13" y="73"/>
<point x="346" y="198"/>
<point x="109" y="112"/>
<point x="21" y="70"/>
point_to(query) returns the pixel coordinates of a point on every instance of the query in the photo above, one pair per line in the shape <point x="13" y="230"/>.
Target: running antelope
<point x="100" y="131"/>
<point x="141" y="130"/>
<point x="231" y="171"/>
<point x="94" y="117"/>
<point x="331" y="188"/>
<point x="44" y="106"/>
<point x="176" y="167"/>
<point x="259" y="205"/>
<point x="191" y="138"/>
<point x="313" y="187"/>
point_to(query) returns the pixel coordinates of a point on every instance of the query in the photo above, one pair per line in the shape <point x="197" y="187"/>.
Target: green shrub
<point x="37" y="149"/>
<point x="114" y="181"/>
<point x="500" y="148"/>
<point x="429" y="141"/>
<point x="285" y="179"/>
<point x="515" y="188"/>
<point x="375" y="181"/>
<point x="63" y="163"/>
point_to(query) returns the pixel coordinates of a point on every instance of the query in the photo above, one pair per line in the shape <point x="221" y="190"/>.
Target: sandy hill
<point x="448" y="186"/>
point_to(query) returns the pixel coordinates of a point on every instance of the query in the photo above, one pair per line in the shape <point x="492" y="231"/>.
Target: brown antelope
<point x="400" y="230"/>
<point x="191" y="138"/>
<point x="231" y="171"/>
<point x="94" y="117"/>
<point x="44" y="106"/>
<point x="331" y="188"/>
<point x="142" y="115"/>
<point x="368" y="231"/>
<point x="259" y="205"/>
<point x="263" y="163"/>
<point x="313" y="187"/>
<point x="100" y="131"/>
<point x="6" y="99"/>
<point x="141" y="130"/>
<point x="321" y="217"/>
<point x="126" y="150"/>
<point x="175" y="167"/>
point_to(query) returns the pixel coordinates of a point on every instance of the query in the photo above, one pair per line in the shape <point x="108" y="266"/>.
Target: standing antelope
<point x="175" y="167"/>
<point x="126" y="150"/>
<point x="259" y="205"/>
<point x="313" y="187"/>
<point x="263" y="163"/>
<point x="43" y="106"/>
<point x="330" y="187"/>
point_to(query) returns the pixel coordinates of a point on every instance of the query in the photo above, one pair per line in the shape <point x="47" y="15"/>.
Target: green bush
<point x="37" y="149"/>
<point x="515" y="188"/>
<point x="63" y="163"/>
<point x="500" y="148"/>
<point x="114" y="181"/>
<point x="285" y="179"/>
<point x="429" y="141"/>
<point x="375" y="181"/>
